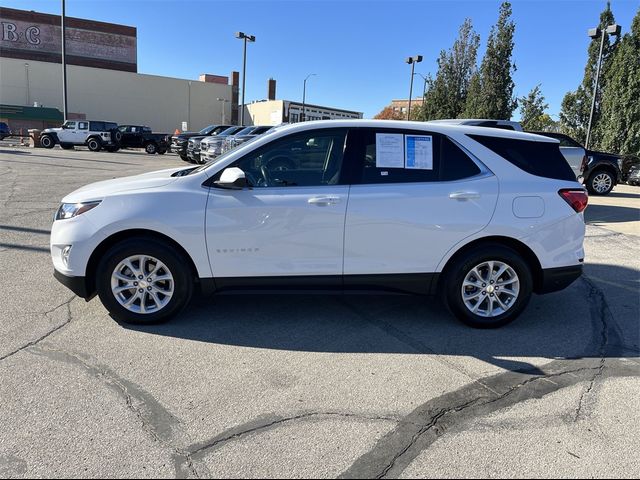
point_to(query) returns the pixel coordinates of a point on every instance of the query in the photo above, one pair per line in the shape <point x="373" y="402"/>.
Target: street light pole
<point x="246" y="38"/>
<point x="304" y="92"/>
<point x="65" y="111"/>
<point x="613" y="29"/>
<point x="424" y="90"/>
<point x="412" y="61"/>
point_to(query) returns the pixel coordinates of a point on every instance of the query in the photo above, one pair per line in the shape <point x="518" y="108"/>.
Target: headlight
<point x="70" y="210"/>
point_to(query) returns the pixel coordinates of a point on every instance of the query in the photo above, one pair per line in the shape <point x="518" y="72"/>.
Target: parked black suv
<point x="141" y="136"/>
<point x="179" y="142"/>
<point x="599" y="171"/>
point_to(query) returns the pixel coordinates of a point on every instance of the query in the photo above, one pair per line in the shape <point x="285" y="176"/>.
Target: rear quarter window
<point x="542" y="159"/>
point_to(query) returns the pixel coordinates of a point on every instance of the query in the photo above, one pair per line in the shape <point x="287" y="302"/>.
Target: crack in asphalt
<point x="267" y="423"/>
<point x="155" y="419"/>
<point x="396" y="450"/>
<point x="50" y="332"/>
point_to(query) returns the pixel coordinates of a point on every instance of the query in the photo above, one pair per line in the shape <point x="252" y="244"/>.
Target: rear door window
<point x="542" y="159"/>
<point x="365" y="166"/>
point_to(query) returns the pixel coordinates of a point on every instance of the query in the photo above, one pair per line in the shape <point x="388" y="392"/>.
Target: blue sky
<point x="356" y="47"/>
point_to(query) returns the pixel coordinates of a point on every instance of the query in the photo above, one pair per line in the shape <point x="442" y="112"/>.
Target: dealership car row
<point x="599" y="172"/>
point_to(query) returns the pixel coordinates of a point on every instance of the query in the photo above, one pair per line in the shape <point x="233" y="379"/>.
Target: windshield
<point x="230" y="131"/>
<point x="206" y="130"/>
<point x="246" y="131"/>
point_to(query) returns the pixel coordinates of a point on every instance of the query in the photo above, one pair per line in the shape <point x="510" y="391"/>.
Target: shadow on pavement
<point x="611" y="214"/>
<point x="567" y="324"/>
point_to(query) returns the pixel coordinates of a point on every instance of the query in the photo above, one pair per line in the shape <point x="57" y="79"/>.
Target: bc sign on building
<point x="37" y="36"/>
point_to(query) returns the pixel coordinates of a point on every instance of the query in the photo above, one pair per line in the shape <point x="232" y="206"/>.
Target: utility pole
<point x="65" y="106"/>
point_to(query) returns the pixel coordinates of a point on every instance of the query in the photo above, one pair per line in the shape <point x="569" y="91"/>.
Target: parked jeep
<point x="95" y="135"/>
<point x="141" y="136"/>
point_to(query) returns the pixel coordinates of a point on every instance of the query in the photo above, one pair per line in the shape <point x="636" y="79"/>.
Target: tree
<point x="532" y="111"/>
<point x="447" y="93"/>
<point x="388" y="113"/>
<point x="576" y="106"/>
<point x="495" y="83"/>
<point x="619" y="123"/>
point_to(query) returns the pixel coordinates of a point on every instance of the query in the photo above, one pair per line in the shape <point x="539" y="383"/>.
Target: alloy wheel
<point x="602" y="182"/>
<point x="142" y="284"/>
<point x="490" y="289"/>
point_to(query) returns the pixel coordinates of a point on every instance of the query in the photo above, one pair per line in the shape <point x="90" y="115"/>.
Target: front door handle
<point x="323" y="201"/>
<point x="464" y="195"/>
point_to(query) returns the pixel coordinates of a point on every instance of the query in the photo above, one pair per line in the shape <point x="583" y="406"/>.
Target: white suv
<point x="96" y="135"/>
<point x="481" y="216"/>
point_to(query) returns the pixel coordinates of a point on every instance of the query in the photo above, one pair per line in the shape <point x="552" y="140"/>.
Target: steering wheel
<point x="266" y="175"/>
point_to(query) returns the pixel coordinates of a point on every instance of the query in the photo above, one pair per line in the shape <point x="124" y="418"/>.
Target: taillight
<point x="577" y="198"/>
<point x="583" y="165"/>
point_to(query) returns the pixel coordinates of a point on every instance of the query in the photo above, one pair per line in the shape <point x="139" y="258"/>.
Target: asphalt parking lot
<point x="309" y="386"/>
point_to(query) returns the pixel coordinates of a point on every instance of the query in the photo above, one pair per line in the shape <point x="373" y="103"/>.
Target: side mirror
<point x="232" y="178"/>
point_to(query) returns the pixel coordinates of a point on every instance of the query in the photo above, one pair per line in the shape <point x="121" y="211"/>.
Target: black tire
<point x="161" y="151"/>
<point x="600" y="182"/>
<point x="116" y="136"/>
<point x="66" y="146"/>
<point x="178" y="266"/>
<point x="112" y="149"/>
<point x="454" y="276"/>
<point x="151" y="148"/>
<point x="94" y="144"/>
<point x="184" y="158"/>
<point x="47" y="141"/>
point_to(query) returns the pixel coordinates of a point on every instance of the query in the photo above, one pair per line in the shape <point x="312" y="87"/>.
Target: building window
<point x="293" y="118"/>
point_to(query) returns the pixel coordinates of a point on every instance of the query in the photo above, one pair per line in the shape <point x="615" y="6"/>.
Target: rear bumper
<point x="554" y="279"/>
<point x="77" y="285"/>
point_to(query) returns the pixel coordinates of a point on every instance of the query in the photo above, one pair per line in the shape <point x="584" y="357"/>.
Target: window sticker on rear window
<point x="419" y="152"/>
<point x="389" y="150"/>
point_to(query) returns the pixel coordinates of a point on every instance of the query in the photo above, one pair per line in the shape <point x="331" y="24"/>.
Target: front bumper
<point x="77" y="285"/>
<point x="555" y="279"/>
<point x="179" y="149"/>
<point x="193" y="154"/>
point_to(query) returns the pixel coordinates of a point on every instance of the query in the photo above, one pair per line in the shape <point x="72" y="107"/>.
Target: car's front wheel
<point x="488" y="287"/>
<point x="600" y="183"/>
<point x="144" y="281"/>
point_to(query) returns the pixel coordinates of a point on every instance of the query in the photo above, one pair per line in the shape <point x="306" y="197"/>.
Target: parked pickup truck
<point x="599" y="171"/>
<point x="179" y="143"/>
<point x="141" y="136"/>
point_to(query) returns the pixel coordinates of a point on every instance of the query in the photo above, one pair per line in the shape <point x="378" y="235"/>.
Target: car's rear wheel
<point x="143" y="281"/>
<point x="488" y="287"/>
<point x="47" y="141"/>
<point x="600" y="182"/>
<point x="94" y="144"/>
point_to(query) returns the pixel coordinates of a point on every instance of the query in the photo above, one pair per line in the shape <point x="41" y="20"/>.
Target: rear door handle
<point x="323" y="201"/>
<point x="464" y="195"/>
